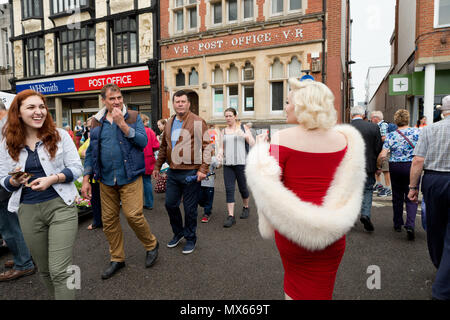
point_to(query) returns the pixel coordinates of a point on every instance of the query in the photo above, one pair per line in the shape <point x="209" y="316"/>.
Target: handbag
<point x="161" y="184"/>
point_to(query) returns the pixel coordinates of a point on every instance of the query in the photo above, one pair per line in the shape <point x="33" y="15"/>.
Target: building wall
<point x="260" y="42"/>
<point x="406" y="31"/>
<point x="433" y="44"/>
<point x="6" y="69"/>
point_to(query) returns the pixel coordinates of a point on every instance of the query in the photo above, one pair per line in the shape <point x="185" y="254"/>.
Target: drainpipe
<point x="324" y="36"/>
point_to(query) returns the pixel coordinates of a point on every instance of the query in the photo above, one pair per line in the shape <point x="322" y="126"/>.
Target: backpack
<point x="391" y="127"/>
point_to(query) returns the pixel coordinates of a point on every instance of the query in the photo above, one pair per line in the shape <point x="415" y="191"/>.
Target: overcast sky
<point x="373" y="24"/>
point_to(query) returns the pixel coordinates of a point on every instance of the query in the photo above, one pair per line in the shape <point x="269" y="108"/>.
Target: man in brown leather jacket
<point x="185" y="146"/>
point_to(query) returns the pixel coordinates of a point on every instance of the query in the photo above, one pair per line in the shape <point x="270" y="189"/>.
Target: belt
<point x="442" y="173"/>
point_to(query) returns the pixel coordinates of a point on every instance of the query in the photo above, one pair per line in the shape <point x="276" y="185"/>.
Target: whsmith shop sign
<point x="414" y="83"/>
<point x="132" y="77"/>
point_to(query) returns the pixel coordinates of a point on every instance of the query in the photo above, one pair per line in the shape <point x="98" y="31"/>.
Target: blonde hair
<point x="314" y="104"/>
<point x="401" y="117"/>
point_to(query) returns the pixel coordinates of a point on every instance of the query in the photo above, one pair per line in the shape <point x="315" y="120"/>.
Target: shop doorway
<point x="83" y="116"/>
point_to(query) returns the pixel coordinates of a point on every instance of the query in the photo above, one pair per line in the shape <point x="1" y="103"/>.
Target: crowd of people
<point x="311" y="182"/>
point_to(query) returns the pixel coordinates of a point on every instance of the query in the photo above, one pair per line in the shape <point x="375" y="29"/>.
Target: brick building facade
<point x="420" y="48"/>
<point x="241" y="53"/>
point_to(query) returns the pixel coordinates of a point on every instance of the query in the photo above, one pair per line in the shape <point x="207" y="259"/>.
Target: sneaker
<point x="175" y="241"/>
<point x="384" y="192"/>
<point x="205" y="218"/>
<point x="388" y="192"/>
<point x="229" y="222"/>
<point x="245" y="213"/>
<point x="189" y="247"/>
<point x="377" y="187"/>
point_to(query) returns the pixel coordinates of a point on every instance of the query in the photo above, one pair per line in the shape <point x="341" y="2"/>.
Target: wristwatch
<point x="413" y="188"/>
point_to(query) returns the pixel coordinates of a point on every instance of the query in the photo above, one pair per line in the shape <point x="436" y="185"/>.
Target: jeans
<point x="206" y="199"/>
<point x="12" y="234"/>
<point x="178" y="189"/>
<point x="436" y="192"/>
<point x="400" y="188"/>
<point x="366" y="206"/>
<point x="148" y="191"/>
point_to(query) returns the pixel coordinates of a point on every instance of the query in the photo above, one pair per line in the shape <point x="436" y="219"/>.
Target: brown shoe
<point x="9" y="264"/>
<point x="12" y="274"/>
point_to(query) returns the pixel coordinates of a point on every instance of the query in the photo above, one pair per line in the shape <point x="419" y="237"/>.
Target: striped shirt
<point x="434" y="146"/>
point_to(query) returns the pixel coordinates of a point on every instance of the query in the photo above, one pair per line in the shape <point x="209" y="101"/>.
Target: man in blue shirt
<point x="115" y="157"/>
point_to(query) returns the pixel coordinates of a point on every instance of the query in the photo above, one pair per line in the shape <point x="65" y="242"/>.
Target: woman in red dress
<point x="308" y="187"/>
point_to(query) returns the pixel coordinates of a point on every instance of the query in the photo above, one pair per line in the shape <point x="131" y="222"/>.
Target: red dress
<point x="309" y="275"/>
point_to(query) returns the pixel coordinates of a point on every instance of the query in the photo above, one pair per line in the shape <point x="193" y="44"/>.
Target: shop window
<point x="218" y="100"/>
<point x="35" y="59"/>
<point x="182" y="9"/>
<point x="31" y="9"/>
<point x="193" y="77"/>
<point x="282" y="7"/>
<point x="249" y="97"/>
<point x="233" y="97"/>
<point x="77" y="48"/>
<point x="236" y="11"/>
<point x="125" y="41"/>
<point x="441" y="13"/>
<point x="180" y="79"/>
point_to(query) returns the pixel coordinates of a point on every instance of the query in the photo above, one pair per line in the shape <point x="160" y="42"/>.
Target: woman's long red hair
<point x="15" y="133"/>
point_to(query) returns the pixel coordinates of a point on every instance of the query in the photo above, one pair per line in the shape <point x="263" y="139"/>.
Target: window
<point x="277" y="86"/>
<point x="442" y="13"/>
<point x="63" y="6"/>
<point x="185" y="15"/>
<point x="5" y="48"/>
<point x="35" y="59"/>
<point x="248" y="88"/>
<point x="232" y="11"/>
<point x="193" y="77"/>
<point x="77" y="48"/>
<point x="180" y="79"/>
<point x="125" y="41"/>
<point x="280" y="7"/>
<point x="217" y="12"/>
<point x="235" y="11"/>
<point x="31" y="9"/>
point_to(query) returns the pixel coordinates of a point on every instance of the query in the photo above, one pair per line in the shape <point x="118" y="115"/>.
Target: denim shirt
<point x="66" y="158"/>
<point x="113" y="171"/>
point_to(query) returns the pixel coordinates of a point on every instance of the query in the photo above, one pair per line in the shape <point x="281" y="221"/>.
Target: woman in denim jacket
<point x="43" y="194"/>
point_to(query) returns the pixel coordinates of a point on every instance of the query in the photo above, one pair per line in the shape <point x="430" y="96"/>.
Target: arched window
<point x="180" y="78"/>
<point x="193" y="77"/>
<point x="295" y="68"/>
<point x="277" y="86"/>
<point x="248" y="73"/>
<point x="217" y="75"/>
<point x="233" y="74"/>
<point x="277" y="70"/>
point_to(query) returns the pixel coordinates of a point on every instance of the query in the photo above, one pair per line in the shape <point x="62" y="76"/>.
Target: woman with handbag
<point x="308" y="187"/>
<point x="401" y="143"/>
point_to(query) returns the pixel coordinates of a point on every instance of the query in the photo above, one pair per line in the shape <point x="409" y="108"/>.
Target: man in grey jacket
<point x="22" y="265"/>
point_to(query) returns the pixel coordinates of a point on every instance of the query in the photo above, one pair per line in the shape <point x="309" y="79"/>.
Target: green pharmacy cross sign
<point x="414" y="83"/>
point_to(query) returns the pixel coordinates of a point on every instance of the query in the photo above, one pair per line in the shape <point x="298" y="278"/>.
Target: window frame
<point x="185" y="8"/>
<point x="286" y="8"/>
<point x="128" y="31"/>
<point x="436" y="16"/>
<point x="225" y="5"/>
<point x="40" y="49"/>
<point x="88" y="39"/>
<point x="33" y="15"/>
<point x="282" y="80"/>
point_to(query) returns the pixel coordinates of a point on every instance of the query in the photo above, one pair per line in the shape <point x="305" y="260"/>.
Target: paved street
<point x="237" y="263"/>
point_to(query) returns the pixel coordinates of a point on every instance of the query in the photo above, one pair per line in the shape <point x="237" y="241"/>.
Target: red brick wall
<point x="333" y="62"/>
<point x="429" y="39"/>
